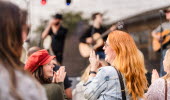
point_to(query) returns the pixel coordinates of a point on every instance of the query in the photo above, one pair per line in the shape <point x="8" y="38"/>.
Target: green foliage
<point x="70" y="20"/>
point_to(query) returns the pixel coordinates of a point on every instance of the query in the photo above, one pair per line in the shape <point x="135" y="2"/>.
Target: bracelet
<point x="92" y="72"/>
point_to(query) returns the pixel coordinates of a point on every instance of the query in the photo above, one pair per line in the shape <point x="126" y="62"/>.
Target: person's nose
<point x="52" y="65"/>
<point x="104" y="47"/>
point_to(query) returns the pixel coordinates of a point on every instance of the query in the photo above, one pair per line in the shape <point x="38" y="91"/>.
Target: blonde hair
<point x="167" y="64"/>
<point x="85" y="75"/>
<point x="167" y="59"/>
<point x="129" y="62"/>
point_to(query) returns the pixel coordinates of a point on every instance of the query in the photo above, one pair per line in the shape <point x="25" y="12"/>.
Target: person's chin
<point x="51" y="75"/>
<point x="106" y="59"/>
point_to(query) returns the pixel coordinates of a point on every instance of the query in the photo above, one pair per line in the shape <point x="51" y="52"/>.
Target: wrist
<point x="92" y="72"/>
<point x="93" y="69"/>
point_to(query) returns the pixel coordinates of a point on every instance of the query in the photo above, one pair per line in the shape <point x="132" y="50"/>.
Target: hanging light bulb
<point x="68" y="2"/>
<point x="43" y="2"/>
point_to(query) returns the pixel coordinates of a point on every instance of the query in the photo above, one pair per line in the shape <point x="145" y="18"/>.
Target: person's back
<point x="26" y="87"/>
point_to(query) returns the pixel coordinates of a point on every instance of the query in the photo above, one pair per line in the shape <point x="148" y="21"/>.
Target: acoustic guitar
<point x="156" y="44"/>
<point x="98" y="41"/>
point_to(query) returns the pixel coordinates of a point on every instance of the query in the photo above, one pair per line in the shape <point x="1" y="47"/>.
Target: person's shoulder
<point x="166" y="23"/>
<point x="159" y="81"/>
<point x="90" y="27"/>
<point x="52" y="86"/>
<point x="54" y="91"/>
<point x="110" y="70"/>
<point x="63" y="28"/>
<point x="107" y="68"/>
<point x="27" y="82"/>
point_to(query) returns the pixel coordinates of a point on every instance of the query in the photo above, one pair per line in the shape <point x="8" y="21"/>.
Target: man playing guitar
<point x="95" y="28"/>
<point x="163" y="38"/>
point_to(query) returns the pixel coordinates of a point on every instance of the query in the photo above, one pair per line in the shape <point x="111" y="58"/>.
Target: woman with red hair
<point x="125" y="78"/>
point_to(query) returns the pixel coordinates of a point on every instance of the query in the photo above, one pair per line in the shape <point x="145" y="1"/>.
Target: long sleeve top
<point x="104" y="86"/>
<point x="157" y="90"/>
<point x="27" y="87"/>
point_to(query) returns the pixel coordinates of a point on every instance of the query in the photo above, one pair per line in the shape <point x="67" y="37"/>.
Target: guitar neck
<point x="103" y="35"/>
<point x="167" y="34"/>
<point x="119" y="25"/>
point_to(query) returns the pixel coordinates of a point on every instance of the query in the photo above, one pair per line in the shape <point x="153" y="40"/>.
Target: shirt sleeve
<point x="85" y="35"/>
<point x="67" y="82"/>
<point x="155" y="90"/>
<point x="95" y="85"/>
<point x="157" y="30"/>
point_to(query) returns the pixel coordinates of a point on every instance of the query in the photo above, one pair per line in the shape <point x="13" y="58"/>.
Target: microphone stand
<point x="161" y="30"/>
<point x="161" y="40"/>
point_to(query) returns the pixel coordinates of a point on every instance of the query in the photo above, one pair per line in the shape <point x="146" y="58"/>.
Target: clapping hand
<point x="59" y="76"/>
<point x="155" y="75"/>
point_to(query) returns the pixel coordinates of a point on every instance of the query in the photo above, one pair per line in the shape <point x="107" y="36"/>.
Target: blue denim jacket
<point x="104" y="86"/>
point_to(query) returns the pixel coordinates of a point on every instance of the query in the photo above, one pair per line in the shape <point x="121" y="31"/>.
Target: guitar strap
<point x="92" y="32"/>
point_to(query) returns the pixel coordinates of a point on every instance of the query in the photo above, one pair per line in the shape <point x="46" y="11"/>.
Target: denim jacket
<point x="104" y="86"/>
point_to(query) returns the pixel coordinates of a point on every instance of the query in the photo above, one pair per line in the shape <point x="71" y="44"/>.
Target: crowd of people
<point x="116" y="70"/>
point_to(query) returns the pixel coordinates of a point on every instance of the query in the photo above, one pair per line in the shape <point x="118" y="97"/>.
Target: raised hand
<point x="94" y="61"/>
<point x="59" y="76"/>
<point x="155" y="75"/>
<point x="52" y="22"/>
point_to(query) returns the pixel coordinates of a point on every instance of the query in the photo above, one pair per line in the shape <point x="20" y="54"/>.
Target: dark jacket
<point x="54" y="91"/>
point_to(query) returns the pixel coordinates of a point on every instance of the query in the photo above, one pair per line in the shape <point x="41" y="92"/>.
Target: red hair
<point x="129" y="62"/>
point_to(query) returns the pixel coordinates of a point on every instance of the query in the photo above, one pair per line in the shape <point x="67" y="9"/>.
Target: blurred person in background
<point x="58" y="34"/>
<point x="161" y="39"/>
<point x="16" y="84"/>
<point x="159" y="89"/>
<point x="96" y="27"/>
